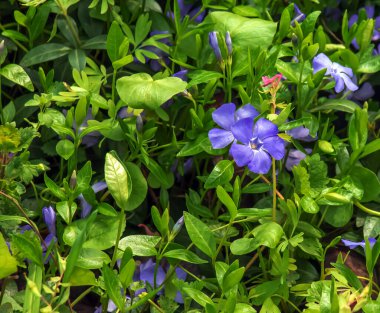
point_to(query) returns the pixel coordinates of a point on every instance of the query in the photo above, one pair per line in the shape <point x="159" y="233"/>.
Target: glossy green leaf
<point x="200" y="234"/>
<point x="368" y="181"/>
<point x="225" y="198"/>
<point x="337" y="105"/>
<point x="43" y="53"/>
<point x="15" y="73"/>
<point x="112" y="284"/>
<point x="29" y="247"/>
<point x="198" y="296"/>
<point x="141" y="245"/>
<point x="90" y="258"/>
<point x="77" y="59"/>
<point x="141" y="91"/>
<point x="65" y="148"/>
<point x="139" y="186"/>
<point x="232" y="279"/>
<point x="184" y="255"/>
<point x="118" y="180"/>
<point x="370" y="66"/>
<point x="114" y="39"/>
<point x="82" y="277"/>
<point x="220" y="175"/>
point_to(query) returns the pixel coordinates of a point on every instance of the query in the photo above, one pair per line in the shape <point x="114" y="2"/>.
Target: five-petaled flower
<point x="225" y="116"/>
<point x="341" y="74"/>
<point x="260" y="142"/>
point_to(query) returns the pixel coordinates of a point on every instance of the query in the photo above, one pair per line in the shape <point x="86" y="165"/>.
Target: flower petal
<point x="242" y="154"/>
<point x="243" y="130"/>
<point x="320" y="62"/>
<point x="349" y="83"/>
<point x="224" y="115"/>
<point x="275" y="146"/>
<point x="246" y="111"/>
<point x="264" y="128"/>
<point x="220" y="138"/>
<point x="260" y="163"/>
<point x="339" y="83"/>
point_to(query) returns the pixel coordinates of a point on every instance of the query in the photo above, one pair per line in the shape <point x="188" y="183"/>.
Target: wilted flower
<point x="260" y="142"/>
<point x="353" y="244"/>
<point x="301" y="133"/>
<point x="225" y="116"/>
<point x="86" y="207"/>
<point x="365" y="92"/>
<point x="213" y="40"/>
<point x="341" y="74"/>
<point x="295" y="157"/>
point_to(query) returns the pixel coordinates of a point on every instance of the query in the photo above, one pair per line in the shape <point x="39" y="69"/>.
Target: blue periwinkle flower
<point x="341" y="74"/>
<point x="229" y="43"/>
<point x="260" y="142"/>
<point x="301" y="133"/>
<point x="213" y="40"/>
<point x="352" y="244"/>
<point x="295" y="157"/>
<point x="49" y="217"/>
<point x="181" y="74"/>
<point x="225" y="116"/>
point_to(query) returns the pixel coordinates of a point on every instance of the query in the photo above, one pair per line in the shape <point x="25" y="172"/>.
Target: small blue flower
<point x="225" y="116"/>
<point x="49" y="217"/>
<point x="181" y="74"/>
<point x="260" y="142"/>
<point x="341" y="74"/>
<point x="213" y="40"/>
<point x="295" y="157"/>
<point x="301" y="133"/>
<point x="353" y="244"/>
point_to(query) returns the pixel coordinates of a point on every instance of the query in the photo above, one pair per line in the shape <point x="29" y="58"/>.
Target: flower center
<point x="255" y="143"/>
<point x="334" y="68"/>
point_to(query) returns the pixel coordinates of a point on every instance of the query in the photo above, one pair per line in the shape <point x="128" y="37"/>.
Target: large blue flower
<point x="260" y="142"/>
<point x="341" y="74"/>
<point x="225" y="116"/>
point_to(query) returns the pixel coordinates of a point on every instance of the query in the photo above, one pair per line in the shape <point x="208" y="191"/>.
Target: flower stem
<point x="365" y="209"/>
<point x="274" y="181"/>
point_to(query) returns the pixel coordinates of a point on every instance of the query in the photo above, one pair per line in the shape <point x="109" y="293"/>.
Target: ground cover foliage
<point x="189" y="156"/>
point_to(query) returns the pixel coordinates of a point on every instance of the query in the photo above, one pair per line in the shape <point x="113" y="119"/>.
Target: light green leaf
<point x="141" y="245"/>
<point x="65" y="148"/>
<point x="220" y="175"/>
<point x="15" y="73"/>
<point x="77" y="59"/>
<point x="140" y="91"/>
<point x="184" y="255"/>
<point x="118" y="180"/>
<point x="8" y="264"/>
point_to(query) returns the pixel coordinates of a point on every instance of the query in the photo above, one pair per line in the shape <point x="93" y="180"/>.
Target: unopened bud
<point x="73" y="180"/>
<point x="336" y="197"/>
<point x="213" y="40"/>
<point x="177" y="226"/>
<point x="229" y="43"/>
<point x="325" y="146"/>
<point x="2" y="46"/>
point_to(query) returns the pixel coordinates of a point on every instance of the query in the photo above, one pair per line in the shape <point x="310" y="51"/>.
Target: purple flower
<point x="49" y="217"/>
<point x="365" y="92"/>
<point x="225" y="116"/>
<point x="301" y="133"/>
<point x="213" y="40"/>
<point x="295" y="157"/>
<point x="86" y="207"/>
<point x="298" y="15"/>
<point x="341" y="74"/>
<point x="370" y="11"/>
<point x="146" y="274"/>
<point x="190" y="10"/>
<point x="181" y="74"/>
<point x="260" y="142"/>
<point x="229" y="43"/>
<point x="177" y="226"/>
<point x="353" y="244"/>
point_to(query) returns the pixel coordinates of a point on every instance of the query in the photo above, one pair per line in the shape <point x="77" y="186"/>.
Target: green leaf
<point x="357" y="129"/>
<point x="369" y="182"/>
<point x="53" y="188"/>
<point x="225" y="198"/>
<point x="202" y="76"/>
<point x="200" y="235"/>
<point x="220" y="175"/>
<point x="141" y="245"/>
<point x="84" y="176"/>
<point x="370" y="66"/>
<point x="351" y="277"/>
<point x="139" y="186"/>
<point x="43" y="53"/>
<point x="77" y="59"/>
<point x="15" y="73"/>
<point x="8" y="264"/>
<point x="371" y="307"/>
<point x="126" y="273"/>
<point x="28" y="247"/>
<point x="65" y="211"/>
<point x="268" y="234"/>
<point x="82" y="277"/>
<point x="232" y="279"/>
<point x="244" y="308"/>
<point x="114" y="39"/>
<point x="340" y="215"/>
<point x="65" y="148"/>
<point x="118" y="180"/>
<point x="337" y="105"/>
<point x="113" y="287"/>
<point x="198" y="296"/>
<point x="90" y="258"/>
<point x="140" y="91"/>
<point x="371" y="147"/>
<point x="184" y="255"/>
<point x="33" y="289"/>
<point x="309" y="205"/>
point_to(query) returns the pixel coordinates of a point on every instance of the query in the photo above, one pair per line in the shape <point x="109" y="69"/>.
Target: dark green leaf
<point x="43" y="53"/>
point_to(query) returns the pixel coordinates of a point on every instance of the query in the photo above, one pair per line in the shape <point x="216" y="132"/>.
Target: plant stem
<point x="81" y="296"/>
<point x="274" y="178"/>
<point x="71" y="26"/>
<point x="365" y="209"/>
<point x="117" y="238"/>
